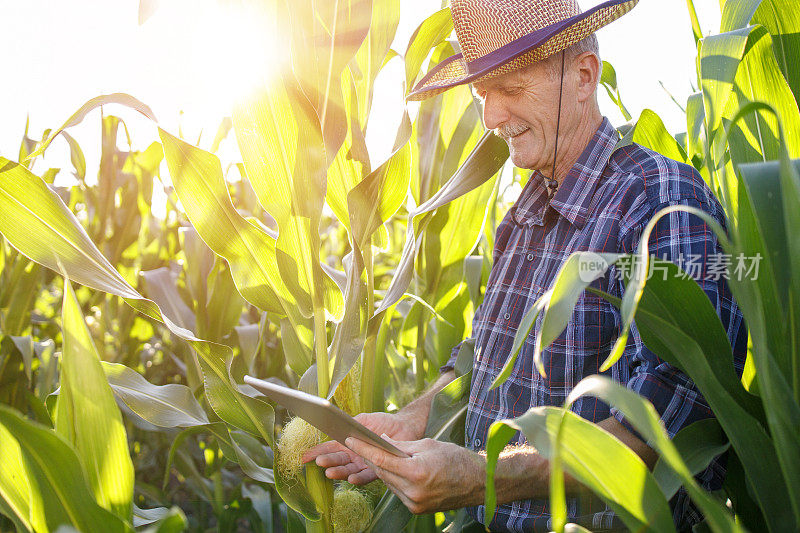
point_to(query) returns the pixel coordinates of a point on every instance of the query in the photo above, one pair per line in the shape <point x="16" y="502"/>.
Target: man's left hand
<point x="438" y="476"/>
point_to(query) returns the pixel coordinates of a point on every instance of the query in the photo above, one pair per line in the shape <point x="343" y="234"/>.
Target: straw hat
<point x="499" y="36"/>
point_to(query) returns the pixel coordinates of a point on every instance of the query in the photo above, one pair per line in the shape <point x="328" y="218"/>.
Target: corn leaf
<point x="719" y="60"/>
<point x="483" y="162"/>
<point x="432" y="31"/>
<point x="755" y="136"/>
<point x="61" y="243"/>
<point x="643" y="416"/>
<point x="379" y="195"/>
<point x="697" y="444"/>
<point x="87" y="416"/>
<point x="608" y="79"/>
<point x="650" y="132"/>
<point x="80" y="114"/>
<point x="15" y="487"/>
<point x="695" y="118"/>
<point x="693" y="342"/>
<point x="592" y="456"/>
<point x="372" y="54"/>
<point x="781" y="19"/>
<point x="284" y="157"/>
<point x="59" y="491"/>
<point x="351" y="163"/>
<point x="166" y="406"/>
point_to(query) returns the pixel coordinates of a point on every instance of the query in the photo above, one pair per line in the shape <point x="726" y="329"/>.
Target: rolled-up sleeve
<point x="684" y="239"/>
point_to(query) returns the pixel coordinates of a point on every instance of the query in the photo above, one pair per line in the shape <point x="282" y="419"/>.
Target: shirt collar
<point x="574" y="196"/>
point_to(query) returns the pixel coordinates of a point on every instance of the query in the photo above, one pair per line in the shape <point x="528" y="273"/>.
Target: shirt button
<point x="507" y="316"/>
<point x="529" y="257"/>
<point x="477" y="443"/>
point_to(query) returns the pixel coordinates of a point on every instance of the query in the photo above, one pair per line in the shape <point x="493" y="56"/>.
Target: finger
<point x="409" y="446"/>
<point x="327" y="447"/>
<point x="335" y="459"/>
<point x="372" y="454"/>
<point x="342" y="472"/>
<point x="362" y="477"/>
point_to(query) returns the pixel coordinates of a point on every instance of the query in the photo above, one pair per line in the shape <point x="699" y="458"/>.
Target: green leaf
<point x="351" y="163"/>
<point x="379" y="195"/>
<point x="76" y="156"/>
<point x="428" y="34"/>
<point x="692" y="342"/>
<point x="372" y="54"/>
<point x="250" y="251"/>
<point x="781" y="19"/>
<point x="456" y="228"/>
<point x="162" y="287"/>
<point x="59" y="492"/>
<point x="758" y="79"/>
<point x="80" y="114"/>
<point x="697" y="444"/>
<point x="161" y="518"/>
<point x="24" y="284"/>
<point x="696" y="31"/>
<point x="15" y="487"/>
<point x="579" y="270"/>
<point x="695" y="122"/>
<point x="776" y="358"/>
<point x="719" y="60"/>
<point x="485" y="160"/>
<point x="633" y="292"/>
<point x="608" y="79"/>
<point x="326" y="36"/>
<point x="88" y="417"/>
<point x="62" y="244"/>
<point x="284" y="156"/>
<point x="350" y="334"/>
<point x="524" y="329"/>
<point x="643" y="416"/>
<point x="650" y="132"/>
<point x="593" y="457"/>
<point x="166" y="406"/>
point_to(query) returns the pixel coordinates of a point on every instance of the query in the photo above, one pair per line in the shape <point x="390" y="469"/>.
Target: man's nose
<point x="495" y="112"/>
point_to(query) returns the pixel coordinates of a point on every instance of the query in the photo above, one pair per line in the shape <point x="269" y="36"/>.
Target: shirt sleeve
<point x="684" y="239"/>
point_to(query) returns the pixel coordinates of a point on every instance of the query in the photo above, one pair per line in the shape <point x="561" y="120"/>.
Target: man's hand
<point x="342" y="463"/>
<point x="438" y="476"/>
<point x="408" y="424"/>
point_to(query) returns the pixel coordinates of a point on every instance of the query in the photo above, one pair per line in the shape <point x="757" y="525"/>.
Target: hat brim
<point x="535" y="46"/>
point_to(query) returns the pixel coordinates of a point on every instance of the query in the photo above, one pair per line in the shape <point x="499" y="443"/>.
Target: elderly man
<point x="535" y="67"/>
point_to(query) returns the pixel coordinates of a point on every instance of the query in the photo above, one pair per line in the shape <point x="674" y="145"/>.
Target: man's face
<point x="522" y="108"/>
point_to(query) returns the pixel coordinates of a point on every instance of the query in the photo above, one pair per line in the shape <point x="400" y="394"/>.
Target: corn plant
<point x="251" y="285"/>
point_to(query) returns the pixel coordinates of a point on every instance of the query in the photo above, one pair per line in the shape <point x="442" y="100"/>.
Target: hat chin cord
<point x="552" y="182"/>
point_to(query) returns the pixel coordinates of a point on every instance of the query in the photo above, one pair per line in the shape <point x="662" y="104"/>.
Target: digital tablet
<point x="322" y="414"/>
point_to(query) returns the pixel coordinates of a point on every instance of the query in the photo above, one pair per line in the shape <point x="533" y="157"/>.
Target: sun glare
<point x="235" y="47"/>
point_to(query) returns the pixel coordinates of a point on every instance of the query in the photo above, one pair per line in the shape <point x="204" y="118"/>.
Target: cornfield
<point x="125" y="336"/>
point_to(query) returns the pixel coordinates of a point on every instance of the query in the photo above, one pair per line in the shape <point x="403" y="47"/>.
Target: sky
<point x="185" y="62"/>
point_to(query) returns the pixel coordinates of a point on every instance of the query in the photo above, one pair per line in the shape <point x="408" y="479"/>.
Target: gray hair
<point x="587" y="44"/>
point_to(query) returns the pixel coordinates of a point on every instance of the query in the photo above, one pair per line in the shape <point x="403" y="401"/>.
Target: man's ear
<point x="588" y="67"/>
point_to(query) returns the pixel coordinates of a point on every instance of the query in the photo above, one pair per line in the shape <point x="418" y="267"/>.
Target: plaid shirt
<point x="602" y="205"/>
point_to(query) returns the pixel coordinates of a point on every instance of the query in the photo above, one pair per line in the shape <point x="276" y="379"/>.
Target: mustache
<point x="506" y="131"/>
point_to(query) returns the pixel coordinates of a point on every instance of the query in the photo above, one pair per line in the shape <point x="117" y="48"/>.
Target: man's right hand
<point x="341" y="463"/>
